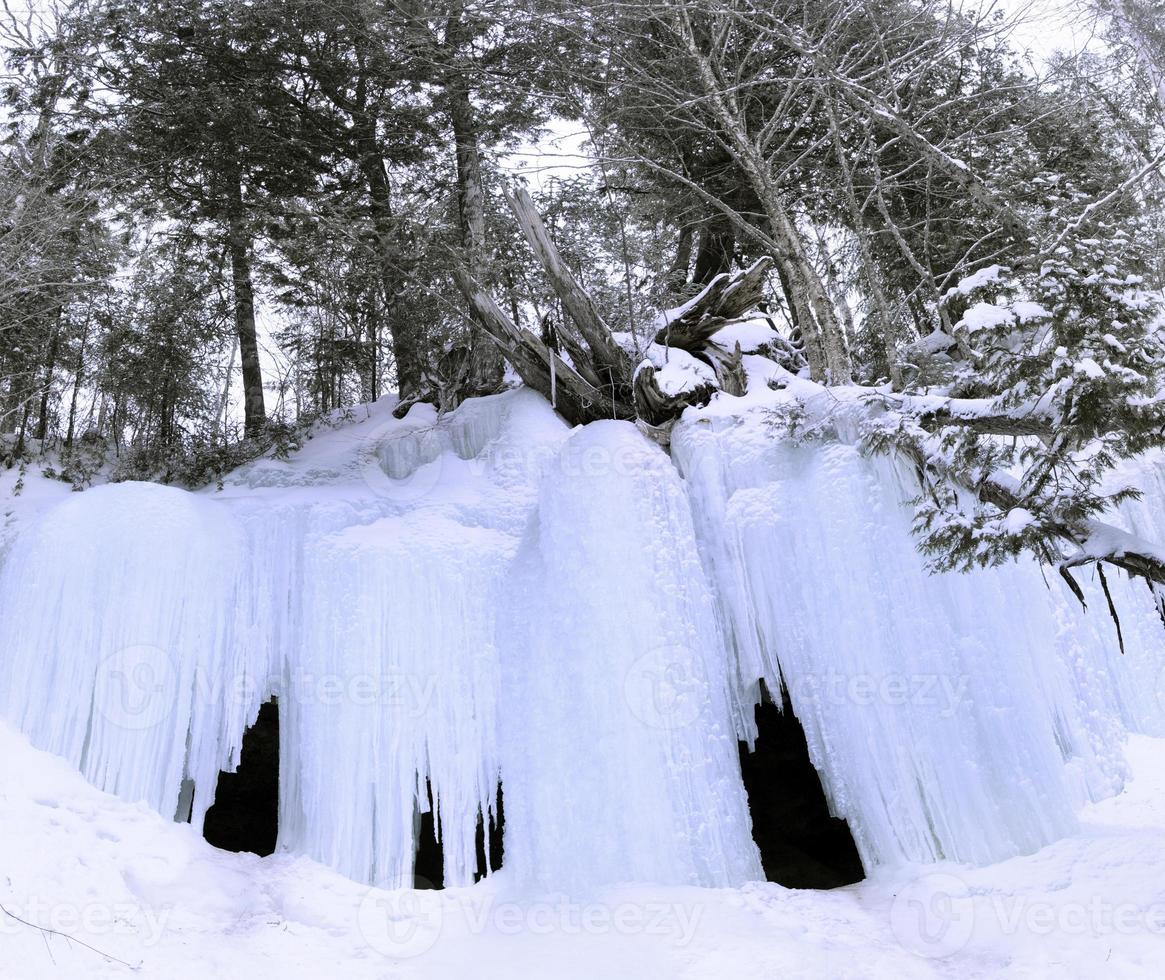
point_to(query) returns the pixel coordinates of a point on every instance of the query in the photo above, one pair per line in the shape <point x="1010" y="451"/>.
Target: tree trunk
<point x="239" y="247"/>
<point x="714" y="256"/>
<point x="824" y="337"/>
<point x="78" y="375"/>
<point x="224" y="400"/>
<point x="42" y="422"/>
<point x="574" y="397"/>
<point x="406" y="346"/>
<point x="485" y="367"/>
<point x="610" y="360"/>
<point x="821" y="330"/>
<point x="873" y="278"/>
<point x="600" y="381"/>
<point x="677" y="276"/>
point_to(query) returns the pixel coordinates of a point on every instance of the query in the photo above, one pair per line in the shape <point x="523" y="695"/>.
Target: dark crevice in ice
<point x="801" y="844"/>
<point x="245" y="814"/>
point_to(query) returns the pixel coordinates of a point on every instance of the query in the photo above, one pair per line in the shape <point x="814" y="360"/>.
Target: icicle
<point x="619" y="760"/>
<point x="119" y="639"/>
<point x="952" y="716"/>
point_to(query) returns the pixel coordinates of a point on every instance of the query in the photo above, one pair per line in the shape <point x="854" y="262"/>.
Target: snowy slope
<point x="153" y="894"/>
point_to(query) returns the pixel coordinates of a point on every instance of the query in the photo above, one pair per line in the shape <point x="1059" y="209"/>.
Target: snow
<point x="152" y="894"/>
<point x="977" y="280"/>
<point x="933" y="343"/>
<point x="1026" y="310"/>
<point x="750" y="334"/>
<point x="1089" y="368"/>
<point x="36" y="495"/>
<point x="678" y="371"/>
<point x="986" y="316"/>
<point x="1017" y="519"/>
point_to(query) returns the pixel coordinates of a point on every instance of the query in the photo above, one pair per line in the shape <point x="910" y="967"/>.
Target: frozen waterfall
<point x="443" y="605"/>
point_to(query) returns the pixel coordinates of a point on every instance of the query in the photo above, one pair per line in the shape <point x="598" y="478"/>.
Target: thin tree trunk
<point x="224" y="399"/>
<point x="405" y="344"/>
<point x="873" y="279"/>
<point x="78" y="375"/>
<point x="677" y="275"/>
<point x="825" y="346"/>
<point x="486" y="367"/>
<point x="42" y="423"/>
<point x="239" y="248"/>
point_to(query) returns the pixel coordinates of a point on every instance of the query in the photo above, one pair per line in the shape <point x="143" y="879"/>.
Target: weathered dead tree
<point x="612" y="363"/>
<point x="657" y="409"/>
<point x="574" y="396"/>
<point x="592" y="377"/>
<point x="726" y="299"/>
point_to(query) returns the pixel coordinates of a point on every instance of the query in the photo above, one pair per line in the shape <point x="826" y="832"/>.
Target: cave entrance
<point x="245" y="814"/>
<point x="429" y="869"/>
<point x="801" y="845"/>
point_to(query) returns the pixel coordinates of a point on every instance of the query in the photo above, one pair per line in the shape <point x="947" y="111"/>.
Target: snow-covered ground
<point x="152" y="894"/>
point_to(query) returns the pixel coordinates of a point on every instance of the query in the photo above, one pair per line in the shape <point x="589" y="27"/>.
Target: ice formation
<point x="445" y="604"/>
<point x="620" y="756"/>
<point x="952" y="716"/>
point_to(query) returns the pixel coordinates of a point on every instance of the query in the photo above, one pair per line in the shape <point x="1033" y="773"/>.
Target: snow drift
<point x="443" y="605"/>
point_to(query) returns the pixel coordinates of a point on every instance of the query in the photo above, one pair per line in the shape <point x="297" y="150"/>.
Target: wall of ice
<point x="441" y="605"/>
<point x="950" y="716"/>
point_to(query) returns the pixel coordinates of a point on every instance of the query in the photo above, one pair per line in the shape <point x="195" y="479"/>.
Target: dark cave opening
<point x="429" y="870"/>
<point x="801" y="844"/>
<point x="245" y="814"/>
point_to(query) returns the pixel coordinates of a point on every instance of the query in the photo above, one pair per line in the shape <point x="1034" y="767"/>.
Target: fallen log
<point x="593" y="377"/>
<point x="544" y="370"/>
<point x="726" y="299"/>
